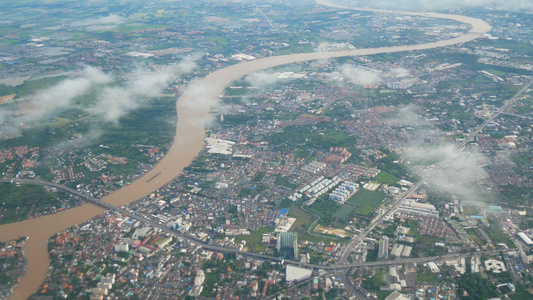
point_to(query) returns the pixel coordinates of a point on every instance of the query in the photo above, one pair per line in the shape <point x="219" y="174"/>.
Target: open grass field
<point x="345" y="212"/>
<point x="386" y="178"/>
<point x="498" y="236"/>
<point x="370" y="199"/>
<point x="253" y="241"/>
<point x="303" y="219"/>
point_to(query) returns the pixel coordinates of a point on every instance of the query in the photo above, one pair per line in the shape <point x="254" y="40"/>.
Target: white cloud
<point x="399" y="73"/>
<point x="116" y="101"/>
<point x="361" y="75"/>
<point x="261" y="79"/>
<point x="106" y="20"/>
<point x="62" y="94"/>
<point x="459" y="174"/>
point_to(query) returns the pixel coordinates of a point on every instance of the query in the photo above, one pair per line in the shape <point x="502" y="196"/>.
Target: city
<point x="403" y="173"/>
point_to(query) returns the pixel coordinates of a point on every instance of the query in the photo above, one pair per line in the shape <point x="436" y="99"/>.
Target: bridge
<point x="340" y="266"/>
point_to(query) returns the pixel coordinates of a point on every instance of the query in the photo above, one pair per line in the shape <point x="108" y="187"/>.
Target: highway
<point x="356" y="241"/>
<point x="341" y="267"/>
<point x="215" y="248"/>
<point x="392" y="207"/>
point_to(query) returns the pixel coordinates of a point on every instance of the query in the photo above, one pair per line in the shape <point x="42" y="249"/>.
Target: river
<point x="193" y="111"/>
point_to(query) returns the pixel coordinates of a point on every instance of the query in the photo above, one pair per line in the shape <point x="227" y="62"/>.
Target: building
<point x="123" y="246"/>
<point x="416" y="208"/>
<point x="525" y="238"/>
<point x="383" y="247"/>
<point x="198" y="284"/>
<point x="396" y="296"/>
<point x="294" y="274"/>
<point x="288" y="245"/>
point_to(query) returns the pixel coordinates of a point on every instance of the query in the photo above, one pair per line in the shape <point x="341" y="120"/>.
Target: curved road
<point x="193" y="111"/>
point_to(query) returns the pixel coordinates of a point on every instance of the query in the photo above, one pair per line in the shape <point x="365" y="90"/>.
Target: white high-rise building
<point x="383" y="247"/>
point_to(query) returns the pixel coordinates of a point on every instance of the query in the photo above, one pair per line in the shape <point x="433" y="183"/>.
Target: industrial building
<point x="416" y="208"/>
<point x="525" y="238"/>
<point x="198" y="284"/>
<point x="400" y="250"/>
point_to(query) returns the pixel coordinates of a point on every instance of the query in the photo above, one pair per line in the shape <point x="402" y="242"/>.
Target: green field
<point x="497" y="235"/>
<point x="425" y="275"/>
<point x="370" y="199"/>
<point x="345" y="212"/>
<point x="365" y="211"/>
<point x="253" y="241"/>
<point x="386" y="178"/>
<point x="284" y="181"/>
<point x="473" y="235"/>
<point x="469" y="210"/>
<point x="303" y="220"/>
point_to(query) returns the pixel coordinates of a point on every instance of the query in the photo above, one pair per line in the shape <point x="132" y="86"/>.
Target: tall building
<point x="383" y="247"/>
<point x="288" y="245"/>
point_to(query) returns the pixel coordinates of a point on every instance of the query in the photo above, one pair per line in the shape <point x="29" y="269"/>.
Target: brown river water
<point x="193" y="111"/>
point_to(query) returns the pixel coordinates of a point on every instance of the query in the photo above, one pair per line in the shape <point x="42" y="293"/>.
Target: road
<point x="215" y="248"/>
<point x="190" y="131"/>
<point x="392" y="207"/>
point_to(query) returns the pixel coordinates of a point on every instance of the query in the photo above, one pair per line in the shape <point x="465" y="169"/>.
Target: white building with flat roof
<point x="413" y="207"/>
<point x="294" y="274"/>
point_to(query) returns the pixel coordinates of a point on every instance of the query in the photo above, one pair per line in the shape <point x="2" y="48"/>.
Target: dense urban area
<point x="404" y="175"/>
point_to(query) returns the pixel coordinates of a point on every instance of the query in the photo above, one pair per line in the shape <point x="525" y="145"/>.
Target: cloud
<point x="398" y="73"/>
<point x="61" y="95"/>
<point x="261" y="80"/>
<point x="113" y="102"/>
<point x="423" y="149"/>
<point x="459" y="175"/>
<point x="114" y="99"/>
<point x="106" y="20"/>
<point x="187" y="64"/>
<point x="94" y="133"/>
<point x="361" y="75"/>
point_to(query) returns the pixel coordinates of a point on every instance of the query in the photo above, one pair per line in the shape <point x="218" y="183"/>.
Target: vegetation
<point x="366" y="198"/>
<point x="284" y="181"/>
<point x="474" y="287"/>
<point x="307" y="138"/>
<point x="373" y="283"/>
<point x="18" y="201"/>
<point x="498" y="236"/>
<point x="425" y="275"/>
<point x="386" y="178"/>
<point x="253" y="241"/>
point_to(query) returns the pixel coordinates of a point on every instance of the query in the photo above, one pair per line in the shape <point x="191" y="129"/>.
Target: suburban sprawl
<point x="401" y="175"/>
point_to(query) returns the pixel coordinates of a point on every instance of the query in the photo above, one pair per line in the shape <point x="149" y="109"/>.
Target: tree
<point x="473" y="287"/>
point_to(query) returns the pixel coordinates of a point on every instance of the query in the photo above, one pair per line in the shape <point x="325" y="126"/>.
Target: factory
<point x="417" y="208"/>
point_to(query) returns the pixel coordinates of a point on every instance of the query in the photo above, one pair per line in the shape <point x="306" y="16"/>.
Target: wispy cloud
<point x="261" y="79"/>
<point x="460" y="173"/>
<point x="116" y="101"/>
<point x="62" y="94"/>
<point x="361" y="75"/>
<point x="113" y="98"/>
<point x="104" y="20"/>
